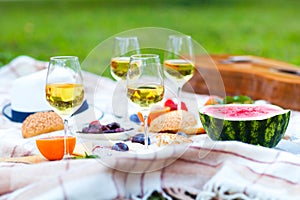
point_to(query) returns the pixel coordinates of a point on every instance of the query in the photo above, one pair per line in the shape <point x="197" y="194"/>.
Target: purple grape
<point x="120" y="146"/>
<point x="94" y="127"/>
<point x="109" y="131"/>
<point x="85" y="129"/>
<point x="95" y="130"/>
<point x="117" y="130"/>
<point x="139" y="138"/>
<point x="113" y="125"/>
<point x="104" y="128"/>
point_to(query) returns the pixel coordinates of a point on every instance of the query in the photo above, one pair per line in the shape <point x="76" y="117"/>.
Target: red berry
<point x="95" y="123"/>
<point x="183" y="106"/>
<point x="170" y="103"/>
<point x="173" y="106"/>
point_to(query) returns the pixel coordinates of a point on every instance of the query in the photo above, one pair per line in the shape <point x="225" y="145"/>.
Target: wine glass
<point x="145" y="84"/>
<point x="179" y="62"/>
<point x="123" y="48"/>
<point x="64" y="89"/>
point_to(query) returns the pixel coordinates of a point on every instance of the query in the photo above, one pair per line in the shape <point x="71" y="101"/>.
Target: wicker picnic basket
<point x="259" y="78"/>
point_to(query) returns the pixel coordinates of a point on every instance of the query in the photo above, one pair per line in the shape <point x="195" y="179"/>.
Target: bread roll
<point x="40" y="123"/>
<point x="173" y="122"/>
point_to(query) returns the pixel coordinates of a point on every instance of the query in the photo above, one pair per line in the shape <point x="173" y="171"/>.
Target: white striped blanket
<point x="202" y="170"/>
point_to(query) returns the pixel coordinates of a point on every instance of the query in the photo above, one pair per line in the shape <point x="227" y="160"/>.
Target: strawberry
<point x="170" y="103"/>
<point x="95" y="123"/>
<point x="183" y="106"/>
<point x="173" y="106"/>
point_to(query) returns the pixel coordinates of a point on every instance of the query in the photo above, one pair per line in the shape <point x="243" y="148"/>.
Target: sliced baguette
<point x="163" y="139"/>
<point x="195" y="130"/>
<point x="173" y="122"/>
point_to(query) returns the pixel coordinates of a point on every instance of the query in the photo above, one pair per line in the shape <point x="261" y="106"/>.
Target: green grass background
<point x="45" y="28"/>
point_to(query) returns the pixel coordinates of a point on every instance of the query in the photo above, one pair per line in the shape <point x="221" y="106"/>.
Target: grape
<point x="113" y="125"/>
<point x="117" y="130"/>
<point x="94" y="130"/>
<point x="109" y="131"/>
<point x="85" y="129"/>
<point x="139" y="138"/>
<point x="96" y="127"/>
<point x="120" y="146"/>
<point x="104" y="128"/>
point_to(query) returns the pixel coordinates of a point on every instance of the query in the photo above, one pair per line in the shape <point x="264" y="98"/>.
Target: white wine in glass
<point x="179" y="64"/>
<point x="123" y="48"/>
<point x="145" y="84"/>
<point x="64" y="89"/>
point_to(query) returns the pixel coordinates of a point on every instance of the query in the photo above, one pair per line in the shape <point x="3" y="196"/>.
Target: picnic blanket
<point x="204" y="169"/>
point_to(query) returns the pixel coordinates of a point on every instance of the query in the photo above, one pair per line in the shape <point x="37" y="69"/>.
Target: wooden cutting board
<point x="25" y="159"/>
<point x="259" y="78"/>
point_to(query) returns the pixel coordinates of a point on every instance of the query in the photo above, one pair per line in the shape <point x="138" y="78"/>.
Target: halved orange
<point x="52" y="147"/>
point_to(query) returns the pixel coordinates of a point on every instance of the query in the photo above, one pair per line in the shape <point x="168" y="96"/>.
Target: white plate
<point x="288" y="146"/>
<point x="139" y="159"/>
<point x="107" y="136"/>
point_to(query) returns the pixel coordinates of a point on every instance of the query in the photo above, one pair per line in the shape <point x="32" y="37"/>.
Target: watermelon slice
<point x="262" y="125"/>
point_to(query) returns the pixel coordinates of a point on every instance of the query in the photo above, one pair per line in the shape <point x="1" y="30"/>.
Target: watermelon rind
<point x="266" y="130"/>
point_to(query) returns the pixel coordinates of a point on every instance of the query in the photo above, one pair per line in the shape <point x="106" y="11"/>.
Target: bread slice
<point x="40" y="123"/>
<point x="173" y="121"/>
<point x="192" y="130"/>
<point x="163" y="139"/>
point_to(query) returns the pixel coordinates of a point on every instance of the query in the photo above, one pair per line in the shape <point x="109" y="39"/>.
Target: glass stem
<point x="66" y="153"/>
<point x="179" y="89"/>
<point x="146" y="131"/>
